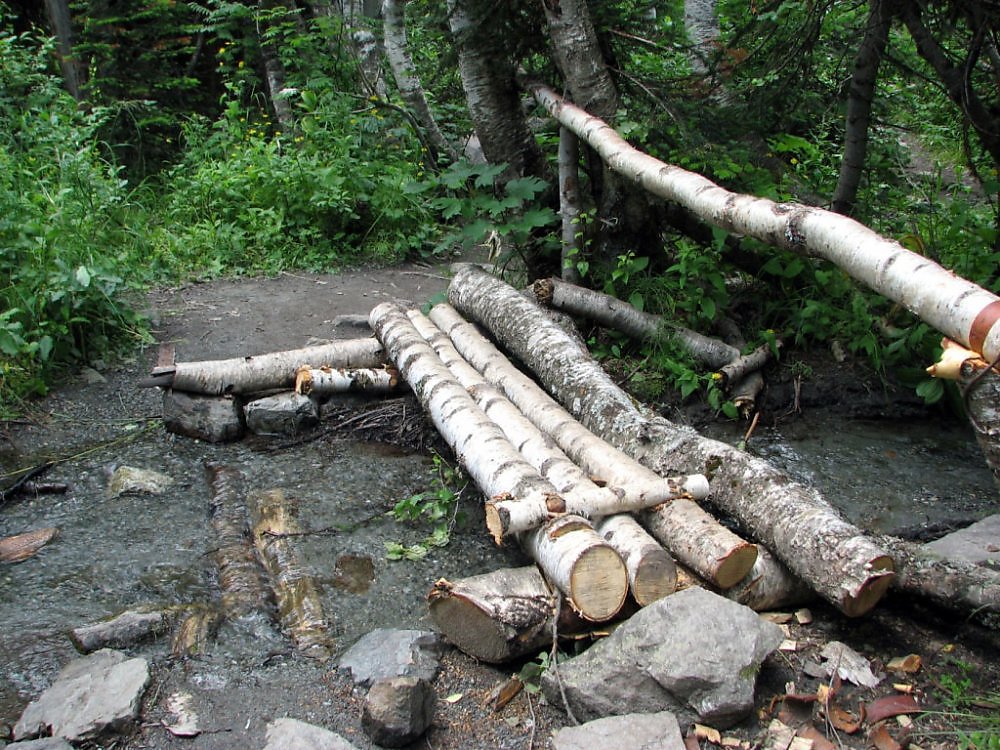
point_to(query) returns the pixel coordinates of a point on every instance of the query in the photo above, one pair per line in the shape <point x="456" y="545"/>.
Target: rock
<point x="694" y="653"/>
<point x="46" y="743"/>
<point x="398" y="710"/>
<point x="978" y="544"/>
<point x="215" y="419"/>
<point x="386" y="653"/>
<point x="128" y="480"/>
<point x="282" y="414"/>
<point x="292" y="734"/>
<point x="658" y="731"/>
<point x="98" y="693"/>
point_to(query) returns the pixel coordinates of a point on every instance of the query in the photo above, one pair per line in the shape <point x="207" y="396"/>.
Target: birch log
<point x="652" y="573"/>
<point x="570" y="552"/>
<point x="687" y="531"/>
<point x="253" y="374"/>
<point x="957" y="308"/>
<point x="326" y="381"/>
<point x="793" y="521"/>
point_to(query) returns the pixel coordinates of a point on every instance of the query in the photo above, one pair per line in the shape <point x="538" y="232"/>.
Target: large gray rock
<point x="281" y="414"/>
<point x="46" y="743"/>
<point x="658" y="731"/>
<point x="386" y="653"/>
<point x="397" y="711"/>
<point x="694" y="653"/>
<point x="215" y="419"/>
<point x="978" y="544"/>
<point x="96" y="694"/>
<point x="292" y="734"/>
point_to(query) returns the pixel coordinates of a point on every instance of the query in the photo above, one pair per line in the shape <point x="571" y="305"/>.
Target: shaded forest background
<point x="163" y="141"/>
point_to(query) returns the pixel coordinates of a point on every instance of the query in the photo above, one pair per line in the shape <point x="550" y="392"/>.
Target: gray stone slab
<point x="659" y="731"/>
<point x="978" y="544"/>
<point x="385" y="653"/>
<point x="292" y="734"/>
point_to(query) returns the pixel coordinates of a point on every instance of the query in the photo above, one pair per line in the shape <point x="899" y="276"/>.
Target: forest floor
<point x="229" y="318"/>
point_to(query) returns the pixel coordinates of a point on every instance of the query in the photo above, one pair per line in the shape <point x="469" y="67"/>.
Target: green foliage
<point x="972" y="719"/>
<point x="531" y="673"/>
<point x="437" y="506"/>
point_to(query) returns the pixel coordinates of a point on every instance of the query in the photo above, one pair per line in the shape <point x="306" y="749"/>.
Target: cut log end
<point x="863" y="599"/>
<point x="471" y="630"/>
<point x="599" y="584"/>
<point x="735" y="566"/>
<point x="495" y="521"/>
<point x="655" y="578"/>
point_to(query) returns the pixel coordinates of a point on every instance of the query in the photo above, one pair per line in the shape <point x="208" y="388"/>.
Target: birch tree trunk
<point x="958" y="308"/>
<point x="405" y="74"/>
<point x="326" y="381"/>
<point x="274" y="69"/>
<point x="687" y="531"/>
<point x="702" y="26"/>
<point x="569" y="205"/>
<point x="795" y="522"/>
<point x="569" y="551"/>
<point x="62" y="29"/>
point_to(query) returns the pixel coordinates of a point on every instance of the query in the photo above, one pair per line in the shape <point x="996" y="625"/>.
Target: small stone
<point x="128" y="480"/>
<point x="628" y="732"/>
<point x="292" y="734"/>
<point x="386" y="653"/>
<point x="283" y="414"/>
<point x="214" y="419"/>
<point x="398" y="711"/>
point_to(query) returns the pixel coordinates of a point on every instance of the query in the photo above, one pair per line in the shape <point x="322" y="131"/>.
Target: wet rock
<point x="658" y="731"/>
<point x="129" y="480"/>
<point x="978" y="544"/>
<point x="282" y="414"/>
<point x="46" y="743"/>
<point x="694" y="653"/>
<point x="214" y="419"/>
<point x="292" y="734"/>
<point x="387" y="653"/>
<point x="98" y="693"/>
<point x="398" y="710"/>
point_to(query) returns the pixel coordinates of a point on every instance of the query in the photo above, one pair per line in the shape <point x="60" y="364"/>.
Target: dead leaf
<point x="506" y="692"/>
<point x="908" y="664"/>
<point x="891" y="705"/>
<point x="454" y="698"/>
<point x="882" y="740"/>
<point x="22" y="546"/>
<point x="848" y="664"/>
<point x="803" y="616"/>
<point x="707" y="733"/>
<point x="901" y="687"/>
<point x="842" y="720"/>
<point x="819" y="741"/>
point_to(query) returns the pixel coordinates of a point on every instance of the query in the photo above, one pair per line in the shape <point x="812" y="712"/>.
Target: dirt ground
<point x="231" y="318"/>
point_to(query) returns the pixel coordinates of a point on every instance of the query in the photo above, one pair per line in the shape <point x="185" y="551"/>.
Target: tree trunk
<point x="770" y="585"/>
<point x="569" y="205"/>
<point x="568" y="550"/>
<point x="62" y="29"/>
<point x="652" y="573"/>
<point x="262" y="372"/>
<point x="274" y="74"/>
<point x="490" y="90"/>
<point x="956" y="307"/>
<point x="121" y="631"/>
<point x="690" y="534"/>
<point x="403" y="70"/>
<point x="860" y="96"/>
<point x="795" y="522"/>
<point x="702" y="26"/>
<point x="499" y="616"/>
<point x="326" y="381"/>
<point x="300" y="610"/>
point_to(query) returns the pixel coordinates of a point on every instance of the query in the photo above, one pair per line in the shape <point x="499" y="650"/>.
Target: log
<point x="591" y="573"/>
<point x="652" y="573"/>
<point x="22" y="546"/>
<point x="262" y="372"/>
<point x="327" y="381"/>
<point x="770" y="585"/>
<point x="728" y="558"/>
<point x="795" y="522"/>
<point x="499" y="616"/>
<point x="124" y="629"/>
<point x="300" y="610"/>
<point x="241" y="584"/>
<point x="195" y="630"/>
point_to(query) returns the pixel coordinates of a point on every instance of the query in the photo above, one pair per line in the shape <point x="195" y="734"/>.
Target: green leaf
<point x="83" y="276"/>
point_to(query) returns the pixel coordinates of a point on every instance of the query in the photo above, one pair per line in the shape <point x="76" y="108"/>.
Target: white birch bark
<point x="770" y="585"/>
<point x="652" y="573"/>
<point x="569" y="551"/>
<point x="717" y="555"/>
<point x="569" y="204"/>
<point x="793" y="521"/>
<point x="326" y="381"/>
<point x="957" y="308"/>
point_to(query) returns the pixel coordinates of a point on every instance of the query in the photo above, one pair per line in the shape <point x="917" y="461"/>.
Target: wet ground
<point x="118" y="553"/>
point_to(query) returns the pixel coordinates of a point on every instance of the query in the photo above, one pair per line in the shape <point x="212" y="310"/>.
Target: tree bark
<point x="860" y="96"/>
<point x="326" y="381"/>
<point x="300" y="610"/>
<point x="405" y="74"/>
<point x="274" y="68"/>
<point x="690" y="534"/>
<point x="569" y="205"/>
<point x="568" y="550"/>
<point x="958" y="308"/>
<point x="652" y="573"/>
<point x="62" y="28"/>
<point x="770" y="585"/>
<point x="123" y="630"/>
<point x="795" y="522"/>
<point x="262" y="372"/>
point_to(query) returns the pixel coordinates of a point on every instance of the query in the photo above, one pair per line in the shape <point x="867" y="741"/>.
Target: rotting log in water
<point x="571" y="554"/>
<point x="327" y="381"/>
<point x="195" y="629"/>
<point x="692" y="536"/>
<point x="22" y="546"/>
<point x="498" y="616"/>
<point x="240" y="575"/>
<point x="124" y="629"/>
<point x="300" y="610"/>
<point x="650" y="570"/>
<point x="263" y="372"/>
<point x="841" y="563"/>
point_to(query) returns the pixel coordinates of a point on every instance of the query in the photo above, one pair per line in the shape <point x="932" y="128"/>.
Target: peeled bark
<point x="262" y="372"/>
<point x="568" y="550"/>
<point x="691" y="534"/>
<point x="958" y="308"/>
<point x="300" y="610"/>
<point x="793" y="521"/>
<point x="326" y="381"/>
<point x="22" y="546"/>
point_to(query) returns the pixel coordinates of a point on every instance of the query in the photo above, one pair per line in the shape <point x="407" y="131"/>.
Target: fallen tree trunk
<point x="326" y="381"/>
<point x="770" y="585"/>
<point x="124" y="629"/>
<point x="22" y="546"/>
<point x="689" y="533"/>
<point x="253" y="374"/>
<point x="300" y="610"/>
<point x="957" y="308"/>
<point x="591" y="574"/>
<point x="652" y="573"/>
<point x="834" y="557"/>
<point x="498" y="616"/>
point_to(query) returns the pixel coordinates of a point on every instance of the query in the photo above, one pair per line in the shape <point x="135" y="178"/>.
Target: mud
<point x="117" y="553"/>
